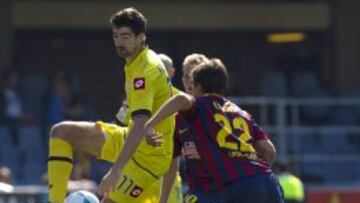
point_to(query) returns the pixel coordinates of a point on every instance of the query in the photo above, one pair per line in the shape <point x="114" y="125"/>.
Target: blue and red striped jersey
<point x="217" y="138"/>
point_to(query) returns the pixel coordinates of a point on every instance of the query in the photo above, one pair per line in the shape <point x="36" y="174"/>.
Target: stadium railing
<point x="285" y="116"/>
<point x="295" y="124"/>
<point x="301" y="118"/>
<point x="24" y="194"/>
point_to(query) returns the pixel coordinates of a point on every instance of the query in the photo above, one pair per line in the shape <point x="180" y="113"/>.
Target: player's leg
<point x="195" y="196"/>
<point x="256" y="189"/>
<point x="176" y="195"/>
<point x="276" y="193"/>
<point x="151" y="194"/>
<point x="134" y="185"/>
<point x="64" y="137"/>
<point x="135" y="179"/>
<point x="107" y="200"/>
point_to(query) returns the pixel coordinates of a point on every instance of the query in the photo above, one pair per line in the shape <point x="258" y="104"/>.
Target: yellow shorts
<point x="176" y="196"/>
<point x="136" y="184"/>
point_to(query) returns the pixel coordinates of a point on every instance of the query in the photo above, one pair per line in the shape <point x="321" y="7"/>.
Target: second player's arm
<point x="266" y="149"/>
<point x="180" y="102"/>
<point x="168" y="180"/>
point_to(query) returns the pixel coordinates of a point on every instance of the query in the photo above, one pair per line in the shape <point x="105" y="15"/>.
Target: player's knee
<point x="60" y="130"/>
<point x="107" y="200"/>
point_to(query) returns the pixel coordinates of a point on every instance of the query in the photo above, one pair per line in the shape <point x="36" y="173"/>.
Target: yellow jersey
<point x="176" y="90"/>
<point x="148" y="86"/>
<point x="123" y="115"/>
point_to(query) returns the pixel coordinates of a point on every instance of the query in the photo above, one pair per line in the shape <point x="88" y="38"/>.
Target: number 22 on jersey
<point x="238" y="123"/>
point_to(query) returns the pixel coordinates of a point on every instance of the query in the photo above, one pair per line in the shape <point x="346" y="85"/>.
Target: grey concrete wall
<point x="347" y="44"/>
<point x="5" y="33"/>
<point x="176" y="15"/>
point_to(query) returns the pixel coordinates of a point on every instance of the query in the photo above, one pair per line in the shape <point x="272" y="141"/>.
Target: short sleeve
<point x="175" y="90"/>
<point x="177" y="142"/>
<point x="190" y="113"/>
<point x="258" y="133"/>
<point x="177" y="147"/>
<point x="141" y="96"/>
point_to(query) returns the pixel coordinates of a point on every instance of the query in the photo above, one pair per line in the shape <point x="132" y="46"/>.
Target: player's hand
<point x="109" y="182"/>
<point x="153" y="138"/>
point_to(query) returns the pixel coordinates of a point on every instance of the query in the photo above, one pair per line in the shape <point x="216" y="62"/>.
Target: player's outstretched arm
<point x="133" y="140"/>
<point x="168" y="180"/>
<point x="266" y="149"/>
<point x="180" y="102"/>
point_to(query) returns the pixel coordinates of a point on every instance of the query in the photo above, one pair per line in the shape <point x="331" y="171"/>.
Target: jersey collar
<point x="130" y="66"/>
<point x="213" y="95"/>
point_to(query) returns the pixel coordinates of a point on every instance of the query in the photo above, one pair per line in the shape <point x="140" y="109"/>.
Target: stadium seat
<point x="5" y="141"/>
<point x="301" y="143"/>
<point x="304" y="83"/>
<point x="274" y="84"/>
<point x="312" y="172"/>
<point x="98" y="169"/>
<point x="339" y="172"/>
<point x="5" y="137"/>
<point x="32" y="153"/>
<point x="333" y="172"/>
<point x="30" y="144"/>
<point x="309" y="143"/>
<point x="344" y="116"/>
<point x="353" y="93"/>
<point x="319" y="113"/>
<point x="9" y="155"/>
<point x="32" y="172"/>
<point x="293" y="143"/>
<point x="33" y="90"/>
<point x="335" y="141"/>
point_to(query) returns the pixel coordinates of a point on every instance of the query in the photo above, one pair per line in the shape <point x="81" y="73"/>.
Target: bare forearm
<point x="180" y="102"/>
<point x="168" y="180"/>
<point x="270" y="158"/>
<point x="267" y="150"/>
<point x="131" y="143"/>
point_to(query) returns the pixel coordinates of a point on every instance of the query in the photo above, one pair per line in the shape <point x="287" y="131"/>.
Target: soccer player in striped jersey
<point x="228" y="157"/>
<point x="189" y="63"/>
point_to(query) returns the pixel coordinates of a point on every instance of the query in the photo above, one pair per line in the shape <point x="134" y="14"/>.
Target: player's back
<point x="224" y="137"/>
<point x="148" y="87"/>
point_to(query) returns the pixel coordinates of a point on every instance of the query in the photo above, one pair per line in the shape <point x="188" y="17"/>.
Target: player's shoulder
<point x="176" y="91"/>
<point x="144" y="61"/>
<point x="243" y="113"/>
<point x="152" y="59"/>
<point x="230" y="106"/>
<point x="201" y="102"/>
<point x="207" y="99"/>
<point x="151" y="65"/>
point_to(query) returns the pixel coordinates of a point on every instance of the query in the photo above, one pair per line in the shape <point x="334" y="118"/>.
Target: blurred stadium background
<point x="294" y="65"/>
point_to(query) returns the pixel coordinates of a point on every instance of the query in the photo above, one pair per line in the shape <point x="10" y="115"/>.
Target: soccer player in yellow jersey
<point x="123" y="115"/>
<point x="122" y="118"/>
<point x="137" y="165"/>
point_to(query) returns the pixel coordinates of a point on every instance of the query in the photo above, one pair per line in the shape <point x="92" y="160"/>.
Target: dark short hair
<point x="129" y="17"/>
<point x="212" y="76"/>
